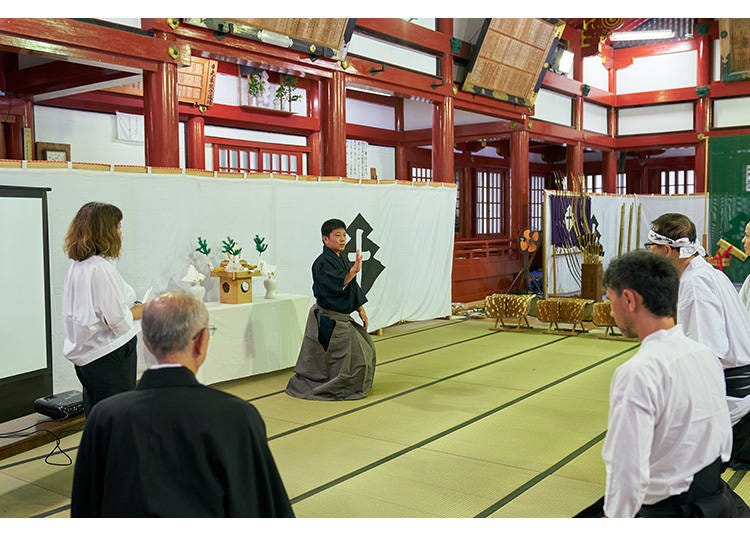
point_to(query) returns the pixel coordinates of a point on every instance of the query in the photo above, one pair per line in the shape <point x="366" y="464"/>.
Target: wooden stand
<point x="235" y="287"/>
<point x="591" y="282"/>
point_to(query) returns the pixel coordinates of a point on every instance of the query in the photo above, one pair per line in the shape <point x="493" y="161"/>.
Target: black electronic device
<point x="60" y="405"/>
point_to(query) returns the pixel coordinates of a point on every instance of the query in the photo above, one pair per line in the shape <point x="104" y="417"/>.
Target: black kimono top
<point x="329" y="271"/>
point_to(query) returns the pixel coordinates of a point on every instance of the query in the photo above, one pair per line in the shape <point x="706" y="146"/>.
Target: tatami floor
<point x="462" y="422"/>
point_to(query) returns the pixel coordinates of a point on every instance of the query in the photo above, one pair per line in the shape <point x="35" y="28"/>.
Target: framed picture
<point x="57" y="152"/>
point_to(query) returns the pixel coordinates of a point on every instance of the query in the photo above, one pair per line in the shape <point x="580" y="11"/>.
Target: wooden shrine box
<point x="591" y="281"/>
<point x="235" y="287"/>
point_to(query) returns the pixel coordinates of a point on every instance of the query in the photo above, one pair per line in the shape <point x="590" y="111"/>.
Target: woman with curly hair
<point x="99" y="307"/>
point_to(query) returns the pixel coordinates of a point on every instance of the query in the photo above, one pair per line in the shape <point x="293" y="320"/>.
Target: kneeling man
<point x="337" y="358"/>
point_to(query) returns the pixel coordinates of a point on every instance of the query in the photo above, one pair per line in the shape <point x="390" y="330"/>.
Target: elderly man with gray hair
<point x="174" y="447"/>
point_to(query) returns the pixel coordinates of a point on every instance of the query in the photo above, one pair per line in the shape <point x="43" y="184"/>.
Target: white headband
<point x="684" y="245"/>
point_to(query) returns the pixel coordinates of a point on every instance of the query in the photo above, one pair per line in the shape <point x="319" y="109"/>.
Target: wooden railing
<point x="481" y="267"/>
<point x="478" y="249"/>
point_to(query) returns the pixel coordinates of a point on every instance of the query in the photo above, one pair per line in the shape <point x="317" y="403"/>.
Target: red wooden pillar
<point x="609" y="171"/>
<point x="519" y="181"/>
<point x="402" y="165"/>
<point x="3" y="146"/>
<point x="14" y="139"/>
<point x="702" y="113"/>
<point x="574" y="159"/>
<point x="196" y="145"/>
<point x="442" y="118"/>
<point x="28" y="123"/>
<point x="334" y="127"/>
<point x="314" y="165"/>
<point x="442" y="140"/>
<point x="161" y="116"/>
<point x="314" y="103"/>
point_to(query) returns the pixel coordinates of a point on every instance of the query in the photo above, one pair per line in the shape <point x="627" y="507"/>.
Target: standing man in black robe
<point x="337" y="358"/>
<point x="173" y="447"/>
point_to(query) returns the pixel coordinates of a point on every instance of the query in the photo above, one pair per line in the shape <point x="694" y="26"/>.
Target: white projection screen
<point x="25" y="332"/>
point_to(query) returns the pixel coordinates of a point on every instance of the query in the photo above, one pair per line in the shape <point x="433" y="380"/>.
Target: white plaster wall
<point x="370" y="114"/>
<point x="652" y="73"/>
<point x="92" y="136"/>
<point x="652" y="119"/>
<point x="594" y="73"/>
<point x="384" y="160"/>
<point x="594" y="117"/>
<point x="553" y="107"/>
<point x="377" y="50"/>
<point x="731" y="112"/>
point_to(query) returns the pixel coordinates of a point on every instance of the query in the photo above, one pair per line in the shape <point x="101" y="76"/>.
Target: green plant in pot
<point x="285" y="92"/>
<point x="256" y="85"/>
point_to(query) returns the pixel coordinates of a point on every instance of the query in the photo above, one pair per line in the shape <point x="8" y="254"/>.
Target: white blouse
<point x="668" y="419"/>
<point x="710" y="312"/>
<point x="96" y="310"/>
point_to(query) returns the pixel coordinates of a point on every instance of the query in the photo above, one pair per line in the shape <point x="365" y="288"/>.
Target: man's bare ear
<point x="632" y="299"/>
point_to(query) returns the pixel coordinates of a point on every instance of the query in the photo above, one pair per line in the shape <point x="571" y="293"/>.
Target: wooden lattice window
<point x="236" y="156"/>
<point x="536" y="201"/>
<point x="622" y="183"/>
<point x="678" y="181"/>
<point x="491" y="202"/>
<point x="594" y="184"/>
<point x="420" y="174"/>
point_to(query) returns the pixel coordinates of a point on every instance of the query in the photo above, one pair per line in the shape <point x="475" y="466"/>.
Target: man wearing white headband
<point x="710" y="311"/>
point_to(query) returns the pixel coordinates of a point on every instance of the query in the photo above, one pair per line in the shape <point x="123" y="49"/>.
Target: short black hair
<point x="331" y="225"/>
<point x="652" y="276"/>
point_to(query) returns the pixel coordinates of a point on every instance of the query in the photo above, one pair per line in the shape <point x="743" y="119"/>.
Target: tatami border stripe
<point x="520" y="490"/>
<point x="447" y="323"/>
<point x="413" y="389"/>
<point x="452" y="429"/>
<point x="736" y="478"/>
<point x="53" y="511"/>
<point x="395" y="359"/>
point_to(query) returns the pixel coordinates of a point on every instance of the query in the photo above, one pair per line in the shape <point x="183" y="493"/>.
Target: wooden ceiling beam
<point x="57" y="76"/>
<point x="75" y="39"/>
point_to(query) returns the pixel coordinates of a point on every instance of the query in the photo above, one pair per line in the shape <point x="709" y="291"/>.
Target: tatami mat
<point x="462" y="421"/>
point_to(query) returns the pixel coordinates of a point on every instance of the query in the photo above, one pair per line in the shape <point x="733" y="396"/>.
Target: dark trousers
<point x="741" y="440"/>
<point x="707" y="496"/>
<point x="110" y="374"/>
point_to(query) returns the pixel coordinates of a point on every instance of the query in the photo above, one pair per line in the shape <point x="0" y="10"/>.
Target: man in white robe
<point x="668" y="431"/>
<point x="710" y="311"/>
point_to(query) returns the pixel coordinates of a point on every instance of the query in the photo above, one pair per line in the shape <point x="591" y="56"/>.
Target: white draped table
<point x="250" y="338"/>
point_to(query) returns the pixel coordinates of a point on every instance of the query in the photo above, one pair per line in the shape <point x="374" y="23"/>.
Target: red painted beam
<point x="418" y="85"/>
<point x="76" y="39"/>
<point x="378" y="136"/>
<point x="404" y="32"/>
<point x="553" y="131"/>
<point x="664" y="96"/>
<point x="661" y="140"/>
<point x="489" y="106"/>
<point x="57" y="76"/>
<point x="204" y="43"/>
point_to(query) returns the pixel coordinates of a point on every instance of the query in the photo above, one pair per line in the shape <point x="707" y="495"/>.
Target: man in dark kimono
<point x="337" y="358"/>
<point x="173" y="447"/>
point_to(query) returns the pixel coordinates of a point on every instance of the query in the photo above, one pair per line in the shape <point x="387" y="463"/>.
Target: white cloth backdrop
<point x="608" y="210"/>
<point x="165" y="213"/>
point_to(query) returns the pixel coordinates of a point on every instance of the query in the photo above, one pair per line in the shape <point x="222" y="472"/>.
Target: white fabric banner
<point x="623" y="221"/>
<point x="411" y="235"/>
